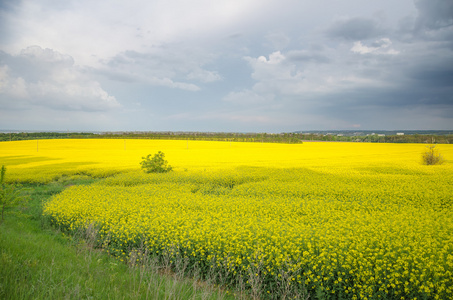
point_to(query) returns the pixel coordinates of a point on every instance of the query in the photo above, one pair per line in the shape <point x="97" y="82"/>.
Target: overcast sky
<point x="226" y="65"/>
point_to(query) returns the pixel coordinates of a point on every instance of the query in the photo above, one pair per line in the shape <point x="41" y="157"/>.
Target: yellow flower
<point x="336" y="212"/>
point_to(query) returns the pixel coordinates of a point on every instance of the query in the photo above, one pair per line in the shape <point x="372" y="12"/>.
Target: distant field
<point x="43" y="160"/>
<point x="336" y="220"/>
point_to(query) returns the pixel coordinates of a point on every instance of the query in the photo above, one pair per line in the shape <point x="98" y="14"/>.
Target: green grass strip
<point x="39" y="262"/>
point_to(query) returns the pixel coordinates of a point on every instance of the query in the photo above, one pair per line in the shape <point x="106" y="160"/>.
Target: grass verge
<point x="40" y="262"/>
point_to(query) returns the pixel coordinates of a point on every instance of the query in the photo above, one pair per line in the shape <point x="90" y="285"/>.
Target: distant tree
<point x="155" y="164"/>
<point x="432" y="156"/>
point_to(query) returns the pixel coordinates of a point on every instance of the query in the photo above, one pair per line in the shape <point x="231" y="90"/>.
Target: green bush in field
<point x="432" y="156"/>
<point x="156" y="164"/>
<point x="9" y="195"/>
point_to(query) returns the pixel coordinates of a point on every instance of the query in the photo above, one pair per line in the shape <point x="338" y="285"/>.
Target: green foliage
<point x="10" y="196"/>
<point x="441" y="137"/>
<point x="432" y="156"/>
<point x="156" y="164"/>
<point x="44" y="135"/>
<point x="59" y="265"/>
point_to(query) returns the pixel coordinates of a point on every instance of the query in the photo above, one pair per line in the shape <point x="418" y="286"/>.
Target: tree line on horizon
<point x="287" y="138"/>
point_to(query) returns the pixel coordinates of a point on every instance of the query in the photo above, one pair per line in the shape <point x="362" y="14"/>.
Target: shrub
<point x="432" y="156"/>
<point x="156" y="164"/>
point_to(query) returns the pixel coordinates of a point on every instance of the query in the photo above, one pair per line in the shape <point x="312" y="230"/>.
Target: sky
<point x="226" y="65"/>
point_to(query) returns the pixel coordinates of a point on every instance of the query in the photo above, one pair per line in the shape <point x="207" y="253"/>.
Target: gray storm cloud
<point x="204" y="66"/>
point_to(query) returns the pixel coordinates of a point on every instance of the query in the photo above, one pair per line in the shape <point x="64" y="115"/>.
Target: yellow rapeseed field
<point x="342" y="220"/>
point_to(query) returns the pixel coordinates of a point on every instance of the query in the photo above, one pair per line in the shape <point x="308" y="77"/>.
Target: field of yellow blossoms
<point x="339" y="220"/>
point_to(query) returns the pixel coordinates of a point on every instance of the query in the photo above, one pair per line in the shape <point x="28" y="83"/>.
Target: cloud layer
<point x="226" y="65"/>
<point x="45" y="78"/>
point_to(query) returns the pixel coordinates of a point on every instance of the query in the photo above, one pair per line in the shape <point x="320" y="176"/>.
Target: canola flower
<point x="355" y="221"/>
<point x="47" y="160"/>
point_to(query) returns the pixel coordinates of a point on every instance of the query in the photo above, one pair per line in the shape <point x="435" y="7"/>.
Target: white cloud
<point x="14" y="87"/>
<point x="93" y="30"/>
<point x="280" y="76"/>
<point x="162" y="67"/>
<point x="273" y="69"/>
<point x="47" y="78"/>
<point x="46" y="56"/>
<point x="167" y="82"/>
<point x="245" y="58"/>
<point x="294" y="80"/>
<point x="204" y="75"/>
<point x="381" y="46"/>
